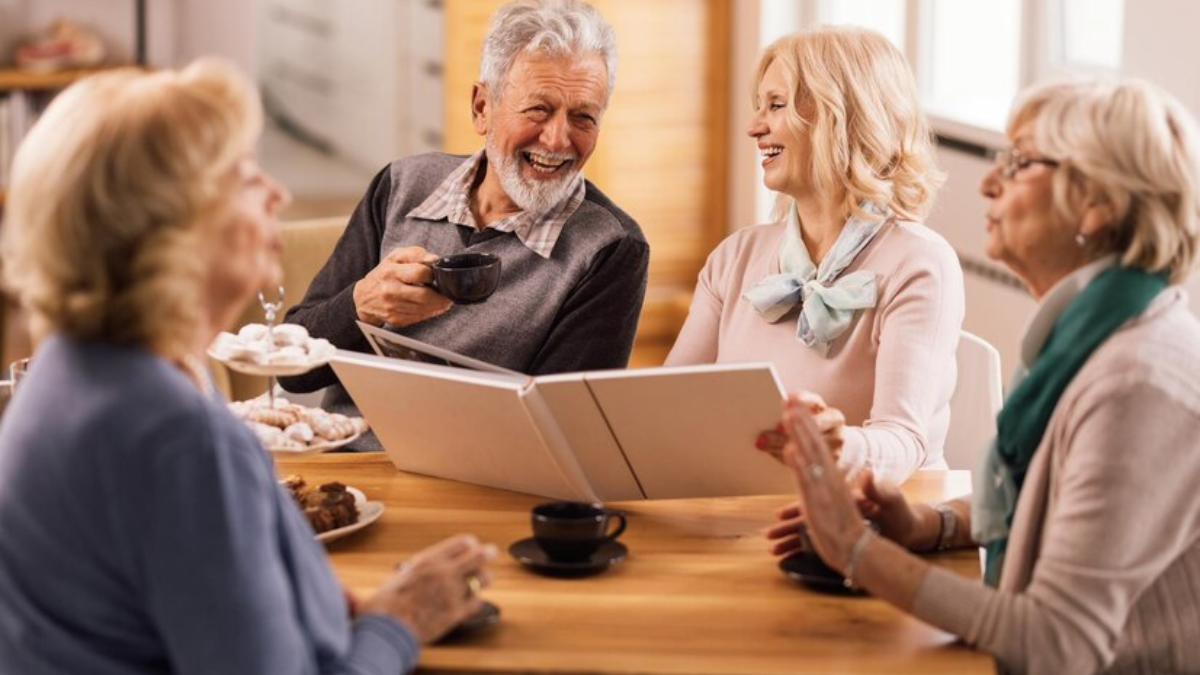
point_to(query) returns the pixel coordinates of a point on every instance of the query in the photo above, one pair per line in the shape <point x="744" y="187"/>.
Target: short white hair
<point x="1132" y="146"/>
<point x="551" y="27"/>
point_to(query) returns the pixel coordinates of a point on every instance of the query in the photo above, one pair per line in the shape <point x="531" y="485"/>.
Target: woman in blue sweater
<point x="143" y="529"/>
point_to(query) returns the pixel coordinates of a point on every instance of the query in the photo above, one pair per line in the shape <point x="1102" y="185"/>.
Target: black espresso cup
<point x="466" y="278"/>
<point x="573" y="531"/>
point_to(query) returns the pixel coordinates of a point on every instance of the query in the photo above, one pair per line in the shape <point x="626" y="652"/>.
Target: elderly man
<point x="574" y="265"/>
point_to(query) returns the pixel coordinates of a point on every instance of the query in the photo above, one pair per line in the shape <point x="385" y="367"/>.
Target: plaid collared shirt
<point x="452" y="201"/>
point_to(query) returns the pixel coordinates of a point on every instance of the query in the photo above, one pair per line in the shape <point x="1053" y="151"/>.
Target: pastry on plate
<point x="326" y="507"/>
<point x="288" y="426"/>
<point x="282" y="345"/>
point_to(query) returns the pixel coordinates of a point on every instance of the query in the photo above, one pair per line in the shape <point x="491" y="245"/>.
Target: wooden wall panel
<point x="662" y="150"/>
<point x="466" y="24"/>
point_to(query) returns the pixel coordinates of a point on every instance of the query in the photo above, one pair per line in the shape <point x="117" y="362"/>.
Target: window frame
<point x="1052" y="62"/>
<point x="1041" y="56"/>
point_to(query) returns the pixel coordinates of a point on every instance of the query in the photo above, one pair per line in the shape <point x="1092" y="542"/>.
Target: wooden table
<point x="699" y="593"/>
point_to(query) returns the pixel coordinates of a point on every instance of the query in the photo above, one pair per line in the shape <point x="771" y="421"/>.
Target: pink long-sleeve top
<point x="891" y="373"/>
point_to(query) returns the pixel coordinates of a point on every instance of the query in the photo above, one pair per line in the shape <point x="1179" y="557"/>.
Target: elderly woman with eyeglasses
<point x="143" y="528"/>
<point x="1086" y="502"/>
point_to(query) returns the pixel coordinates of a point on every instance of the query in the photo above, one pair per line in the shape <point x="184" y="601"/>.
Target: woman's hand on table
<point x="879" y="501"/>
<point x="830" y="421"/>
<point x="788" y="535"/>
<point x="437" y="588"/>
<point x="830" y="511"/>
<point x="882" y="503"/>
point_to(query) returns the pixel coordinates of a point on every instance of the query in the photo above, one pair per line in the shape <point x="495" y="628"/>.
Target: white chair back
<point x="977" y="399"/>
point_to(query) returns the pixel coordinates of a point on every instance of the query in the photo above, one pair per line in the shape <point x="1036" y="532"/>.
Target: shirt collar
<point x="1053" y="305"/>
<point x="539" y="233"/>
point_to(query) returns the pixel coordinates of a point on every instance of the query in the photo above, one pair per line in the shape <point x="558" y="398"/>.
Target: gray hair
<point x="1133" y="146"/>
<point x="553" y="27"/>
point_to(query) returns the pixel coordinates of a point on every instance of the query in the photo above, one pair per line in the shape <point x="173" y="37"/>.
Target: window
<point x="777" y="18"/>
<point x="1089" y="34"/>
<point x="970" y="59"/>
<point x="973" y="56"/>
<point x="883" y="16"/>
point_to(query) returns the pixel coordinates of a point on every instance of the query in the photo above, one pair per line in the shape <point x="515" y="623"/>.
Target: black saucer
<point x="806" y="567"/>
<point x="529" y="554"/>
<point x="487" y="615"/>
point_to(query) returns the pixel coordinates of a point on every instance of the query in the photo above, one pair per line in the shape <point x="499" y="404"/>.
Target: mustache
<point x="546" y="154"/>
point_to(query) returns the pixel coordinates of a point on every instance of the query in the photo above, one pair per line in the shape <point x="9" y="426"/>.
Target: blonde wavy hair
<point x="107" y="191"/>
<point x="870" y="139"/>
<point x="1129" y="146"/>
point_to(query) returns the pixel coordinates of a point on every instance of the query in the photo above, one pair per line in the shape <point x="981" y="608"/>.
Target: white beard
<point x="532" y="196"/>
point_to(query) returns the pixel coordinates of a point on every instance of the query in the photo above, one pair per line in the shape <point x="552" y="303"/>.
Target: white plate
<point x="278" y="370"/>
<point x="368" y="512"/>
<point x="314" y="448"/>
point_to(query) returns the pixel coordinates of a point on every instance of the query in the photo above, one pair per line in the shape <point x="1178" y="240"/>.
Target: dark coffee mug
<point x="466" y="278"/>
<point x="573" y="531"/>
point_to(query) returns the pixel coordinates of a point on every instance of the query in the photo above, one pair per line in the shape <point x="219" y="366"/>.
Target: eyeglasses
<point x="1011" y="161"/>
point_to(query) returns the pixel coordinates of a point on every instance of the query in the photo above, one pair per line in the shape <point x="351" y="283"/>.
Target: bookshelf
<point x="12" y="79"/>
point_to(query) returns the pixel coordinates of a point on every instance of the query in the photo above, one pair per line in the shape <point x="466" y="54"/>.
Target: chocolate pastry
<point x="327" y="507"/>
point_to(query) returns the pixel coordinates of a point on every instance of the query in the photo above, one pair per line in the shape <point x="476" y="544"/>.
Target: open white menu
<point x="654" y="433"/>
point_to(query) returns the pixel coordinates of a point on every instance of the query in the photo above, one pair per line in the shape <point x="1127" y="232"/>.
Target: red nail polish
<point x="761" y="442"/>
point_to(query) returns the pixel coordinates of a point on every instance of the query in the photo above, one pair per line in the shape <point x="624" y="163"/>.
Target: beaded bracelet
<point x="855" y="554"/>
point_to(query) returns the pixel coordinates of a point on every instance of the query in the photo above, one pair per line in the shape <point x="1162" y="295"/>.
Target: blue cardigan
<point x="142" y="531"/>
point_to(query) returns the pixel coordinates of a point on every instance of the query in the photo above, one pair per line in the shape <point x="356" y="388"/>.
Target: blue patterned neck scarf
<point x="827" y="302"/>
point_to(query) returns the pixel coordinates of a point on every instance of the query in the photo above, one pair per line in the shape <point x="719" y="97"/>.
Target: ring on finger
<point x="474" y="585"/>
<point x="816" y="472"/>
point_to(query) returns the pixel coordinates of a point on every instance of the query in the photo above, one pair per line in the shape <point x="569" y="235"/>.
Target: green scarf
<point x="1113" y="297"/>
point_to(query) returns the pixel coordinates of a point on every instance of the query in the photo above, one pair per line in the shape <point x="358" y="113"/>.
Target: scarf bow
<point x="828" y="302"/>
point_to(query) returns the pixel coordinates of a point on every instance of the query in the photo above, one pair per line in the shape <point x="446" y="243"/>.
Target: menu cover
<point x="652" y="433"/>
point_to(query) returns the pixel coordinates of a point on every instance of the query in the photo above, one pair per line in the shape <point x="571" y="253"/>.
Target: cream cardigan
<point x="1102" y="572"/>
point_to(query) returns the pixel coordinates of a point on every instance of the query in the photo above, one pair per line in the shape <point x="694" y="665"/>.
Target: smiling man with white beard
<point x="574" y="264"/>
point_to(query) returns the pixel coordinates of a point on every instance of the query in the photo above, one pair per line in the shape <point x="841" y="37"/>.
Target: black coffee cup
<point x="573" y="531"/>
<point x="466" y="278"/>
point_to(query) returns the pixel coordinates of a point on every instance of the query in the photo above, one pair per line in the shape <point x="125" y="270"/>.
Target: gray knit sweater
<point x="577" y="310"/>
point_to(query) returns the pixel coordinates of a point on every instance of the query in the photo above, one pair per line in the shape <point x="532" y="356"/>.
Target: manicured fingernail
<point x="761" y="442"/>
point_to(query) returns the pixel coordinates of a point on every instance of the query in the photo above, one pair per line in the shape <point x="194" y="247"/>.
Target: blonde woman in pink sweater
<point x="857" y="304"/>
<point x="1087" y="503"/>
